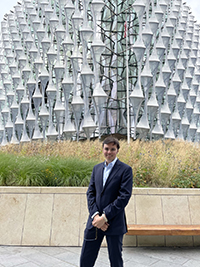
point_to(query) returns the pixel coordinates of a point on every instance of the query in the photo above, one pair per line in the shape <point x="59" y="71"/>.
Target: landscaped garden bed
<point x="155" y="164"/>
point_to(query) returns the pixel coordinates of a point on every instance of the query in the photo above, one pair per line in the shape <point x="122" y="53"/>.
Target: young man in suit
<point x="108" y="194"/>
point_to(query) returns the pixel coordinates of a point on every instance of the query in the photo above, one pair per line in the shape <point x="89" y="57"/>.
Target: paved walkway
<point x="69" y="256"/>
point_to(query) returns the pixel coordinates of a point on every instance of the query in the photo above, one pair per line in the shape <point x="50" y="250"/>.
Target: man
<point x="108" y="194"/>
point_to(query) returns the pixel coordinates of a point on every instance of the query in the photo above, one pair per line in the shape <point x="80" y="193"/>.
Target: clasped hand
<point x="100" y="223"/>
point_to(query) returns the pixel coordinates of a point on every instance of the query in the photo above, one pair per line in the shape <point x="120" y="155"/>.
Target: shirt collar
<point x="112" y="163"/>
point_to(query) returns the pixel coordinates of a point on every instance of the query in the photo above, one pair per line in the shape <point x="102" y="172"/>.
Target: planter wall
<point x="56" y="216"/>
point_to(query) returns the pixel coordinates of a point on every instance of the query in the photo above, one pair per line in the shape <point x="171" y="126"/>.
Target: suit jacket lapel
<point x="101" y="177"/>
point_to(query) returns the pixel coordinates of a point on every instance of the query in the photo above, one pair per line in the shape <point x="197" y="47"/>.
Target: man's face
<point x="110" y="152"/>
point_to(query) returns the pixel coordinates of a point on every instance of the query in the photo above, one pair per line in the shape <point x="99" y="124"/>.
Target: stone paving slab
<point x="17" y="256"/>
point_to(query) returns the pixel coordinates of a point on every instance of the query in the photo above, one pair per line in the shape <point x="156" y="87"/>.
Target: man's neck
<point x="111" y="161"/>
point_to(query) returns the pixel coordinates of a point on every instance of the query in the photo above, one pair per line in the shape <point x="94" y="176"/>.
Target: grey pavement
<point x="69" y="256"/>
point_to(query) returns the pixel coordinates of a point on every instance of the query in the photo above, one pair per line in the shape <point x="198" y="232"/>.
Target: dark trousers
<point x="91" y="248"/>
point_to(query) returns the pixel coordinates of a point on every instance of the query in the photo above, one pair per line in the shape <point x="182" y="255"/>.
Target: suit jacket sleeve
<point x="91" y="195"/>
<point x="125" y="192"/>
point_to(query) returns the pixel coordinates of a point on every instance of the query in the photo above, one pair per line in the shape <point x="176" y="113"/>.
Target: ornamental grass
<point x="154" y="163"/>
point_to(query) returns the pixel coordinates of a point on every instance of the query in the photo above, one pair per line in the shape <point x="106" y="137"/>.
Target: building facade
<point x="85" y="69"/>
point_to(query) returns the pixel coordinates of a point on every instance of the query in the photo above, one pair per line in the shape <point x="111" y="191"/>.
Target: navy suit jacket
<point x="112" y="197"/>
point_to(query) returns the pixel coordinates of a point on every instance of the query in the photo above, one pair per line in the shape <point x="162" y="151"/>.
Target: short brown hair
<point x="111" y="139"/>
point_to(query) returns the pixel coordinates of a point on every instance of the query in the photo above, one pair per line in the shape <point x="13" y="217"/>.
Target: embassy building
<point x="84" y="69"/>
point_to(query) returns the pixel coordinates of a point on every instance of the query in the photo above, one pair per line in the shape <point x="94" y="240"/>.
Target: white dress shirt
<point x="107" y="170"/>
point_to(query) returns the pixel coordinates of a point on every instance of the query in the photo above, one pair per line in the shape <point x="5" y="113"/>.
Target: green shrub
<point x="42" y="171"/>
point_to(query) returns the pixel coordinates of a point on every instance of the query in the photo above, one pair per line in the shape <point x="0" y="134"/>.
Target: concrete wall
<point x="56" y="216"/>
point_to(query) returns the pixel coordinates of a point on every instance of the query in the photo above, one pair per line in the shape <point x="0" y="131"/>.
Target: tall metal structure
<point x="83" y="69"/>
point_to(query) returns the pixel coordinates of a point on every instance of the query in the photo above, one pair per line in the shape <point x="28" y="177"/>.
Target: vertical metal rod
<point x="127" y="83"/>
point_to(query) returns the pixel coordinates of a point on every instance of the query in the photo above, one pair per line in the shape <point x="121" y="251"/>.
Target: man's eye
<point x="112" y="149"/>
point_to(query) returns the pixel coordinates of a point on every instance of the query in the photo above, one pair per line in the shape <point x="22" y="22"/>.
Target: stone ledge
<point x="166" y="191"/>
<point x="42" y="190"/>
